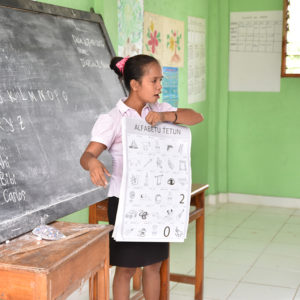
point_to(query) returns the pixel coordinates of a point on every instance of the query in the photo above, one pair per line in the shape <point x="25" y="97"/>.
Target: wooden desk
<point x="98" y="212"/>
<point x="31" y="269"/>
<point x="197" y="200"/>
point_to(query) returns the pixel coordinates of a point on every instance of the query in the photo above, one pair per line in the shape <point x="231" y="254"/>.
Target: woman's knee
<point x="127" y="272"/>
<point x="154" y="268"/>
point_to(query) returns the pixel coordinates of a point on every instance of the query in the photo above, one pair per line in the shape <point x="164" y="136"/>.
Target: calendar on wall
<point x="156" y="184"/>
<point x="255" y="51"/>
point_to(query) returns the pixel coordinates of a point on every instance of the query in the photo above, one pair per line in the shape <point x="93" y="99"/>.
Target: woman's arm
<point x="184" y="116"/>
<point x="89" y="161"/>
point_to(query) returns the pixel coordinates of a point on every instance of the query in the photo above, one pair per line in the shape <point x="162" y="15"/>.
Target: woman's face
<point x="149" y="87"/>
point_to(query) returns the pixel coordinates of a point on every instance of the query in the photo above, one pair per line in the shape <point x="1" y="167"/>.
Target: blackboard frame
<point x="39" y="7"/>
<point x="24" y="223"/>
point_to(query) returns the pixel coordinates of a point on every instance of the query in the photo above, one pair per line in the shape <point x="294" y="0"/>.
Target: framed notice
<point x="156" y="183"/>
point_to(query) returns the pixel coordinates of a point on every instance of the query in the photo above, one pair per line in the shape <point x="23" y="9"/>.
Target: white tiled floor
<point x="251" y="253"/>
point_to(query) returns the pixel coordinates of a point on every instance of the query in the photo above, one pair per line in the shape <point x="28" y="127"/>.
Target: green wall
<point x="263" y="132"/>
<point x="81" y="4"/>
<point x="217" y="76"/>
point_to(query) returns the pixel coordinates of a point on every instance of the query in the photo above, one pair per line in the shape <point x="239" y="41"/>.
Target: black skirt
<point x="133" y="254"/>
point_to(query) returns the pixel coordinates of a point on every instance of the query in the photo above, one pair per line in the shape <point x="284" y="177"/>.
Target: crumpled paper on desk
<point x="46" y="232"/>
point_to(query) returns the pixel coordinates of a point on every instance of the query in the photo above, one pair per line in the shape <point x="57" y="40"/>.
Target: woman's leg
<point x="121" y="283"/>
<point x="151" y="281"/>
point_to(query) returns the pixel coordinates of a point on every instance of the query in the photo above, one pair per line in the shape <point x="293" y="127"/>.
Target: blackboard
<point x="54" y="82"/>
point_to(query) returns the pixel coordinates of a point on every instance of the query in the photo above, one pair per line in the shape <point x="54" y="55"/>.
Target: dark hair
<point x="134" y="67"/>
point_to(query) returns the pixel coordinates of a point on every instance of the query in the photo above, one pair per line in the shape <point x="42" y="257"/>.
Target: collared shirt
<point x="108" y="131"/>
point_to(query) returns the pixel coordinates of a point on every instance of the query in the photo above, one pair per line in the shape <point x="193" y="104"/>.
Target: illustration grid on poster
<point x="156" y="184"/>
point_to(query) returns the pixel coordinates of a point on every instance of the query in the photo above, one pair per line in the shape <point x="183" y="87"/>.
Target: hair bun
<point x="113" y="64"/>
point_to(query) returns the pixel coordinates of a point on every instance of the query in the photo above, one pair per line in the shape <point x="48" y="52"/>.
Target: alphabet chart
<point x="156" y="184"/>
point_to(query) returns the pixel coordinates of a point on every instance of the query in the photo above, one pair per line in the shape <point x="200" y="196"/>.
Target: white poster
<point x="196" y="60"/>
<point x="156" y="184"/>
<point x="255" y="51"/>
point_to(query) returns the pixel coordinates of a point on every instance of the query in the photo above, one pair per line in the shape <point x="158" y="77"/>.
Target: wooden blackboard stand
<point x="31" y="269"/>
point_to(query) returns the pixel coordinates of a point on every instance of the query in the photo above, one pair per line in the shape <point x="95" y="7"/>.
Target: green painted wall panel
<point x="78" y="4"/>
<point x="255" y="5"/>
<point x="217" y="73"/>
<point x="264" y="136"/>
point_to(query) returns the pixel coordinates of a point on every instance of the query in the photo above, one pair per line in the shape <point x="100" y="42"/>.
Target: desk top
<point x="198" y="188"/>
<point x="26" y="252"/>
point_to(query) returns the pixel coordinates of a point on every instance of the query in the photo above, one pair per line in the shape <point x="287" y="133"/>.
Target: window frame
<point x="284" y="42"/>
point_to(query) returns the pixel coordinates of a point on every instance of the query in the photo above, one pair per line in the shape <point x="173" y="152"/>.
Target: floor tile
<point x="218" y="230"/>
<point x="283" y="248"/>
<point x="297" y="297"/>
<point x="182" y="259"/>
<point x="183" y="289"/>
<point x="208" y="250"/>
<point x="213" y="289"/>
<point x="269" y="218"/>
<point x="211" y="241"/>
<point x="225" y="271"/>
<point x="239" y="207"/>
<point x="243" y="245"/>
<point x="247" y="291"/>
<point x="218" y="289"/>
<point x="180" y="297"/>
<point x="210" y="209"/>
<point x="181" y="265"/>
<point x="275" y="210"/>
<point x="255" y="222"/>
<point x="297" y="212"/>
<point x="290" y="228"/>
<point x="232" y="257"/>
<point x="282" y="278"/>
<point x="254" y="234"/>
<point x="294" y="219"/>
<point x="287" y="237"/>
<point x="223" y="220"/>
<point x="237" y="214"/>
<point x="278" y="262"/>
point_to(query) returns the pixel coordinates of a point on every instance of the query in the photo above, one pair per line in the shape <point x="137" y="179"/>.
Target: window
<point x="290" y="66"/>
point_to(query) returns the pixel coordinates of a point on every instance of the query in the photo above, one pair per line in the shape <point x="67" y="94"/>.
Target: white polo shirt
<point x="108" y="131"/>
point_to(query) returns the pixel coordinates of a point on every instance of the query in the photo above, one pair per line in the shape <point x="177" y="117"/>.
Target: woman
<point x="142" y="76"/>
